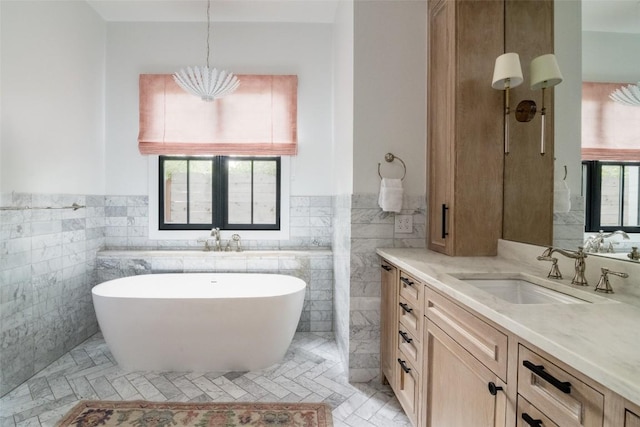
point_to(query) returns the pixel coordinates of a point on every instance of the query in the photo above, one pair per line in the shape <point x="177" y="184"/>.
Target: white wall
<point x="389" y="87"/>
<point x="302" y="49"/>
<point x="610" y="57"/>
<point x="342" y="165"/>
<point x="52" y="85"/>
<point x="568" y="94"/>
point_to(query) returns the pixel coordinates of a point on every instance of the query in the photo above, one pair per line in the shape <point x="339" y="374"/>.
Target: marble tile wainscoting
<point x="372" y="228"/>
<point x="47" y="259"/>
<point x="127" y="226"/>
<point x="315" y="267"/>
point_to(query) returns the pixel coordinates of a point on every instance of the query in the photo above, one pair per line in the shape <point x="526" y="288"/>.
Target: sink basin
<point x="520" y="290"/>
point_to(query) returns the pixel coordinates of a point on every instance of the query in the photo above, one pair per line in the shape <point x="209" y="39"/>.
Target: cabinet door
<point x="456" y="386"/>
<point x="388" y="322"/>
<point x="440" y="113"/>
<point x="631" y="419"/>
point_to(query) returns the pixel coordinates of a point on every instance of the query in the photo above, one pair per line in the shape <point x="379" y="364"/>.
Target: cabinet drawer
<point x="407" y="387"/>
<point x="411" y="289"/>
<point x="410" y="346"/>
<point x="485" y="342"/>
<point x="562" y="397"/>
<point x="631" y="419"/>
<point x="410" y="317"/>
<point x="530" y="416"/>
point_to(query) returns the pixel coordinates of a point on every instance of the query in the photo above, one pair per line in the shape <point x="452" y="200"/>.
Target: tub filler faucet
<point x="580" y="264"/>
<point x="212" y="243"/>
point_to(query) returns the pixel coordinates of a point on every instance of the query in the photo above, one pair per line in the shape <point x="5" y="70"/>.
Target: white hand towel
<point x="561" y="197"/>
<point x="390" y="199"/>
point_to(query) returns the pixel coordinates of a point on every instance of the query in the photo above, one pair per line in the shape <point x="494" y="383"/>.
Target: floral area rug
<point x="167" y="414"/>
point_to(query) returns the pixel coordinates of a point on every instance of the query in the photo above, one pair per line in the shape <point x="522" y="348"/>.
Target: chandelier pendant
<point x="206" y="82"/>
<point x="627" y="95"/>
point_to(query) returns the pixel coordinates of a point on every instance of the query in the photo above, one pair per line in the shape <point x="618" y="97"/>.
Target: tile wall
<point x="47" y="265"/>
<point x="370" y="229"/>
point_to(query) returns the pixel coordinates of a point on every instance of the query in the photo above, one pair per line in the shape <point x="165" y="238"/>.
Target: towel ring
<point x="389" y="157"/>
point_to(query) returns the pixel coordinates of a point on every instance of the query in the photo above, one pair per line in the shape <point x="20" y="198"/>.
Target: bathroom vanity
<point x="459" y="350"/>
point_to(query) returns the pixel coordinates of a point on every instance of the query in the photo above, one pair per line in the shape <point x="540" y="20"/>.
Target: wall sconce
<point x="545" y="73"/>
<point x="507" y="74"/>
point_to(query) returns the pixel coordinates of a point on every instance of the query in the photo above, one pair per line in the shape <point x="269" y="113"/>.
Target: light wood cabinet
<point x="464" y="142"/>
<point x="559" y="395"/>
<point x="450" y="366"/>
<point x="456" y="385"/>
<point x="631" y="419"/>
<point x="388" y="322"/>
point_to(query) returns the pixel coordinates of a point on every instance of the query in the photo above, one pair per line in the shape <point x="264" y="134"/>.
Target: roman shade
<point x="610" y="131"/>
<point x="259" y="118"/>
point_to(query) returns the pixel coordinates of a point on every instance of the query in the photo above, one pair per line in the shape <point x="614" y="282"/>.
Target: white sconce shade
<point x="507" y="72"/>
<point x="545" y="72"/>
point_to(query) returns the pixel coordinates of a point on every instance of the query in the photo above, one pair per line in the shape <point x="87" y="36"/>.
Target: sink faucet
<point x="580" y="264"/>
<point x="596" y="243"/>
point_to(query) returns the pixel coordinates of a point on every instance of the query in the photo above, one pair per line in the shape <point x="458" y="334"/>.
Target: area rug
<point x="95" y="413"/>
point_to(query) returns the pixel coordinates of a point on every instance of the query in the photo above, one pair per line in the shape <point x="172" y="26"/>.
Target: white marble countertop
<point x="601" y="339"/>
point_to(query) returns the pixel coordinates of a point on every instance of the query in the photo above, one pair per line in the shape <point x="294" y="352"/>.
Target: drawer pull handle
<point x="445" y="233"/>
<point x="563" y="386"/>
<point x="406" y="281"/>
<point x="533" y="423"/>
<point x="405" y="337"/>
<point x="404" y="366"/>
<point x="494" y="389"/>
<point x="406" y="308"/>
<point x="386" y="267"/>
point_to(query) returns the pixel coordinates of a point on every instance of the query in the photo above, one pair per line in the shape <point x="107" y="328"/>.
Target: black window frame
<point x="219" y="205"/>
<point x="592" y="191"/>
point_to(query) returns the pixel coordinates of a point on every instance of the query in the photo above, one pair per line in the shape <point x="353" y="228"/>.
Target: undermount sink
<point x="518" y="289"/>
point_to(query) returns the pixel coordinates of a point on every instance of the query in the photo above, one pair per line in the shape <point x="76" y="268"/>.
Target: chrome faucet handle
<point x="603" y="284"/>
<point x="236" y="238"/>
<point x="634" y="254"/>
<point x="554" y="273"/>
<point x="207" y="247"/>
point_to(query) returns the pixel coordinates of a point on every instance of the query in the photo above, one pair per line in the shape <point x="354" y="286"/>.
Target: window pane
<point x="175" y="191"/>
<point x="265" y="195"/>
<point x="200" y="182"/>
<point x="630" y="208"/>
<point x="239" y="178"/>
<point x="610" y="197"/>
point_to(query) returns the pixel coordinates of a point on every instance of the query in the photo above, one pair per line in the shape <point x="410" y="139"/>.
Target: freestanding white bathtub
<point x="199" y="321"/>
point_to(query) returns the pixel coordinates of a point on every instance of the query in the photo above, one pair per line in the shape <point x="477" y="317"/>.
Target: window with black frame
<point x="612" y="195"/>
<point x="232" y="193"/>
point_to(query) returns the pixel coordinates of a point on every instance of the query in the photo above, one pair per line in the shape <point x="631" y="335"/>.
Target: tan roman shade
<point x="610" y="131"/>
<point x="259" y="118"/>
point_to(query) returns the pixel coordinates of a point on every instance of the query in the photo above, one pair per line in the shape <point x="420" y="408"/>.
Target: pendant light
<point x="206" y="82"/>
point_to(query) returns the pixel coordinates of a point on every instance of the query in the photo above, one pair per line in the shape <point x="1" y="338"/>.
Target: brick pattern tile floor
<point x="310" y="372"/>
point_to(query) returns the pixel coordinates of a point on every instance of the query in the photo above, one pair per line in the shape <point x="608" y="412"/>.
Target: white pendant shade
<point x="507" y="71"/>
<point x="628" y="95"/>
<point x="207" y="83"/>
<point x="545" y="72"/>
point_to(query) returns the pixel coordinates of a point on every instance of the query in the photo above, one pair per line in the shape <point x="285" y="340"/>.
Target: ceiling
<point x="309" y="11"/>
<point x="622" y="16"/>
<point x="616" y="16"/>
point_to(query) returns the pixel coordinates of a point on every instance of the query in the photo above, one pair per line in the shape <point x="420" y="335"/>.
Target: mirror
<point x="572" y="48"/>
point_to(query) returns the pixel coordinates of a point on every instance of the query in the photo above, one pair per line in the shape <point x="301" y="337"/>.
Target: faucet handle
<point x="554" y="273"/>
<point x="603" y="284"/>
<point x="634" y="254"/>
